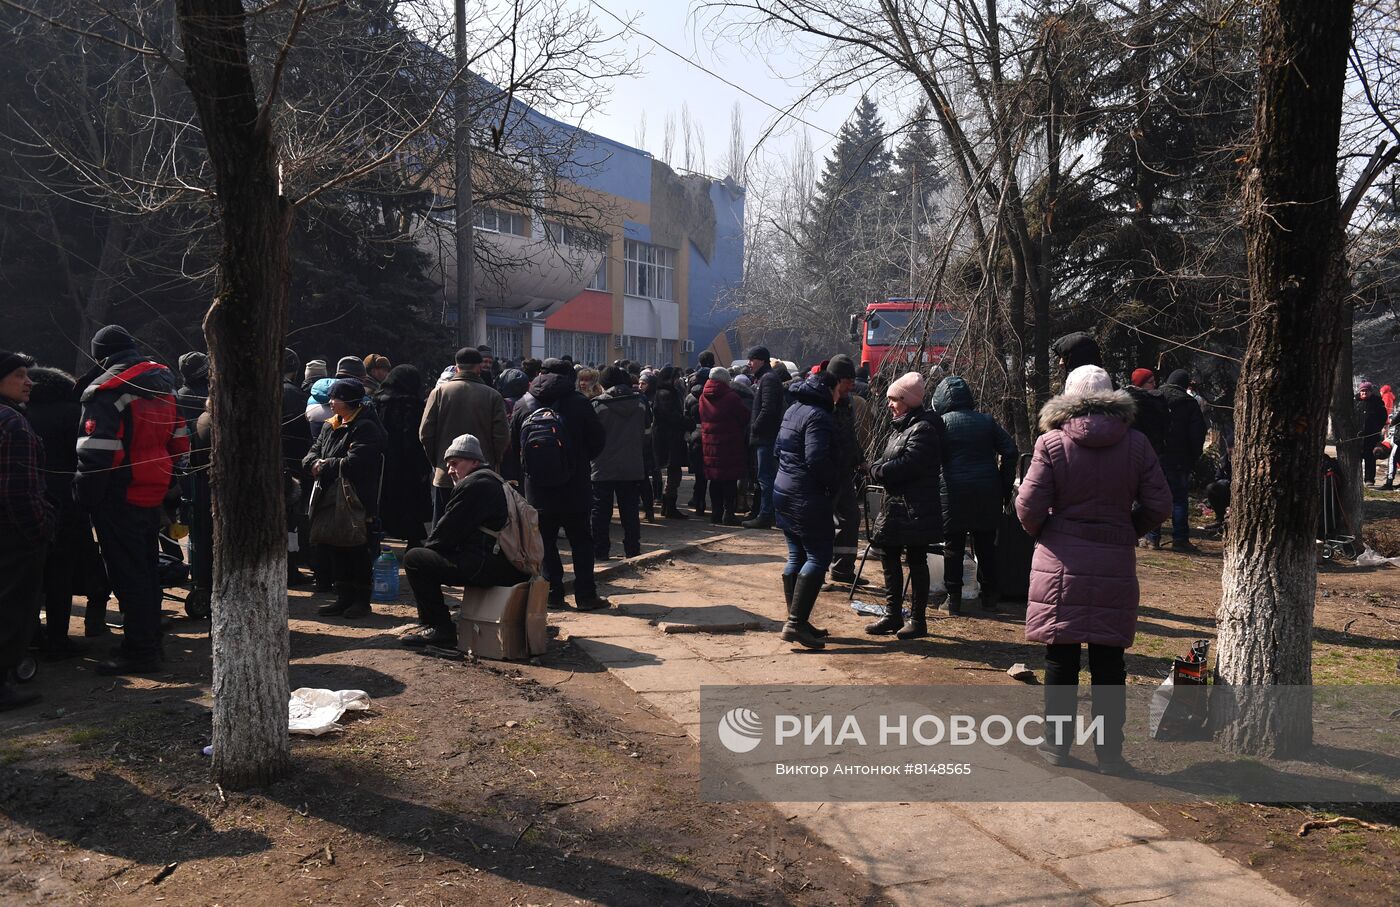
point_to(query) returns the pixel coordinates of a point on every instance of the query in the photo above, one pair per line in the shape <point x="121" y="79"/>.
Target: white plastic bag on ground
<point x="316" y="712"/>
<point x="1369" y="558"/>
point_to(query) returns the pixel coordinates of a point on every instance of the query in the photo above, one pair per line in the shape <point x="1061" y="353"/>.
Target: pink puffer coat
<point x="1089" y="469"/>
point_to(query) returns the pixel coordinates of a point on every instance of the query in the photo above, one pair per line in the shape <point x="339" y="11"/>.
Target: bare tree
<point x="737" y="155"/>
<point x="668" y="139"/>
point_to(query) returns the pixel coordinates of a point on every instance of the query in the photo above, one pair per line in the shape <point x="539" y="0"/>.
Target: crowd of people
<point x="99" y="474"/>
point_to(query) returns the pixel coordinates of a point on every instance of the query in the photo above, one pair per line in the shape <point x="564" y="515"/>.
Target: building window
<point x="506" y="342"/>
<point x="583" y="347"/>
<point x="575" y="237"/>
<point x="668" y="352"/>
<point x="600" y="277"/>
<point x="650" y="270"/>
<point x="639" y="349"/>
<point x="494" y="221"/>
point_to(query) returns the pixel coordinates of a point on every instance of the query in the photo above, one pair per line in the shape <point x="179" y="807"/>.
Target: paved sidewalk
<point x="1100" y="853"/>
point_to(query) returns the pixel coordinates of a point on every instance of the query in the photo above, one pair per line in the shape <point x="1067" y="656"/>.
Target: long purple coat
<point x="723" y="421"/>
<point x="1077" y="503"/>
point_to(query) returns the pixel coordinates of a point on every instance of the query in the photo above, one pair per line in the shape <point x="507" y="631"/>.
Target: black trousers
<point x="917" y="558"/>
<point x="353" y="566"/>
<point x="984" y="543"/>
<point x="579" y="531"/>
<point x="67" y="570"/>
<point x="1107" y="674"/>
<point x="428" y="572"/>
<point x="847" y="510"/>
<point x="724" y="496"/>
<point x="627" y="495"/>
<point x="697" y="469"/>
<point x="1368" y="458"/>
<point x="1218" y="495"/>
<point x="21" y="578"/>
<point x="128" y="536"/>
<point x="672" y="472"/>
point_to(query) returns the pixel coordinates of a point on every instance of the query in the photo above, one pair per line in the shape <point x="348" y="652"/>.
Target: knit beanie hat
<point x="841" y="366"/>
<point x="720" y="374"/>
<point x="1086" y="380"/>
<point x="1141" y="376"/>
<point x="315" y="370"/>
<point x="465" y="447"/>
<point x="908" y="388"/>
<point x="110" y="341"/>
<point x="348" y="390"/>
<point x="350" y="366"/>
<point x="194" y="366"/>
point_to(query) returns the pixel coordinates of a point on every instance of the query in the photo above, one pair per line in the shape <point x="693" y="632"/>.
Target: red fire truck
<point x="895" y="328"/>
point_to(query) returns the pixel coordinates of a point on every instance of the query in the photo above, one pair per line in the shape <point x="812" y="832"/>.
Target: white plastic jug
<point x="971" y="590"/>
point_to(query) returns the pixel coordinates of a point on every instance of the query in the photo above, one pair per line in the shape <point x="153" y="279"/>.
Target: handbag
<point x="338" y="518"/>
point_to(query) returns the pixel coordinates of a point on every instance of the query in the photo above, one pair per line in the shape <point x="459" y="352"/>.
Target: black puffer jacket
<point x="405" y="500"/>
<point x="910" y="470"/>
<point x="1186" y="437"/>
<point x="768" y="407"/>
<point x="975" y="485"/>
<point x="586" y="440"/>
<point x="56" y="417"/>
<point x="668" y="434"/>
<point x="354" y="450"/>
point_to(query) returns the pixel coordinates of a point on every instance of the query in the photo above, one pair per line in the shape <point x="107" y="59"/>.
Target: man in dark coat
<point x="1186" y="438"/>
<point x="668" y="439"/>
<point x="296" y="441"/>
<point x="767" y="416"/>
<point x="460" y="551"/>
<point x="70" y="565"/>
<point x="979" y="470"/>
<point x="564" y="502"/>
<point x="1371" y="420"/>
<point x="619" y="471"/>
<point x="693" y="440"/>
<point x="1074" y="350"/>
<point x="27" y="522"/>
<point x="850" y="454"/>
<point x="406" y="495"/>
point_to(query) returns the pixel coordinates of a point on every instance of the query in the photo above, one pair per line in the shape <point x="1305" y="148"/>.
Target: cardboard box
<point x="505" y="622"/>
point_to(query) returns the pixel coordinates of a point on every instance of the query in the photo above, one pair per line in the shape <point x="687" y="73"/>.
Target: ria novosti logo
<point x="740" y="730"/>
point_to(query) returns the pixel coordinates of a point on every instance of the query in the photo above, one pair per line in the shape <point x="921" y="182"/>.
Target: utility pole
<point x="466" y="297"/>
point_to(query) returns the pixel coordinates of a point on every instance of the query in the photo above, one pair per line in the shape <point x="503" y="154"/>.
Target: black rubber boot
<point x="893" y="620"/>
<point x="789" y="583"/>
<point x="917" y="625"/>
<point x="669" y="510"/>
<point x="954" y="599"/>
<point x="762" y="521"/>
<point x="990" y="599"/>
<point x="804" y="597"/>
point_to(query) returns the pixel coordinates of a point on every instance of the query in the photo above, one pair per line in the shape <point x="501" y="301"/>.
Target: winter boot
<point x="360" y="606"/>
<point x="804" y="597"/>
<point x="344" y="598"/>
<point x="669" y="511"/>
<point x="762" y="521"/>
<point x="789" y="582"/>
<point x="990" y="599"/>
<point x="917" y="625"/>
<point x="954" y="599"/>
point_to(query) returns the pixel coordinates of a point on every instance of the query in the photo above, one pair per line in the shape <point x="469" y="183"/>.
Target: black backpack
<point x="546" y="448"/>
<point x="1153" y="417"/>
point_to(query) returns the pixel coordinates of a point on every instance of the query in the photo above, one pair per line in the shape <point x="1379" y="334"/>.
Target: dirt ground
<point x="465" y="784"/>
<point x="552" y="783"/>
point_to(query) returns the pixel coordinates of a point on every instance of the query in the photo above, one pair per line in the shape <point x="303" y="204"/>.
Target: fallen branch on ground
<point x="1337" y="823"/>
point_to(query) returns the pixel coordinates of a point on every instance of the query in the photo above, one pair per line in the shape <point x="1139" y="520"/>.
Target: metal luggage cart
<point x="1334" y="542"/>
<point x="873" y="500"/>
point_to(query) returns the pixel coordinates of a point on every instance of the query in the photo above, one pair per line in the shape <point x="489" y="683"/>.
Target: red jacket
<point x="723" y="420"/>
<point x="131" y="434"/>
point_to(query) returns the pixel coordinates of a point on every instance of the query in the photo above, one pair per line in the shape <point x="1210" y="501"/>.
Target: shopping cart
<point x="873" y="502"/>
<point x="1334" y="519"/>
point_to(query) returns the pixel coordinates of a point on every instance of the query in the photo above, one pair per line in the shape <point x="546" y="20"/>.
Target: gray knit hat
<point x="464" y="447"/>
<point x="315" y="369"/>
<point x="720" y="374"/>
<point x="350" y="366"/>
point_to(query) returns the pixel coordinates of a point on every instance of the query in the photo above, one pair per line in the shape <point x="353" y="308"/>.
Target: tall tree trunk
<point x="245" y="329"/>
<point x="1293" y="237"/>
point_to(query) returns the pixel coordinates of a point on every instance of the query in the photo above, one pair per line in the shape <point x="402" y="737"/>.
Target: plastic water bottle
<point x="386" y="577"/>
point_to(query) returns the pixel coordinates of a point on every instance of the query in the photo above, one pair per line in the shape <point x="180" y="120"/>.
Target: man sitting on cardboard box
<point x="459" y="552"/>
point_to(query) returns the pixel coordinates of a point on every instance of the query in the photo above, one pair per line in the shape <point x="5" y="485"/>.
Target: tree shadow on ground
<point x="110" y="815"/>
<point x="330" y="676"/>
<point x="509" y="856"/>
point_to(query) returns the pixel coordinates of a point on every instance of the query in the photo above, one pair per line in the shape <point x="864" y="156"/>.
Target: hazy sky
<point x="667" y="82"/>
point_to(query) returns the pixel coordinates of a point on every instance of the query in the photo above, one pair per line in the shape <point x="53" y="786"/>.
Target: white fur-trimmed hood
<point x="1059" y="410"/>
